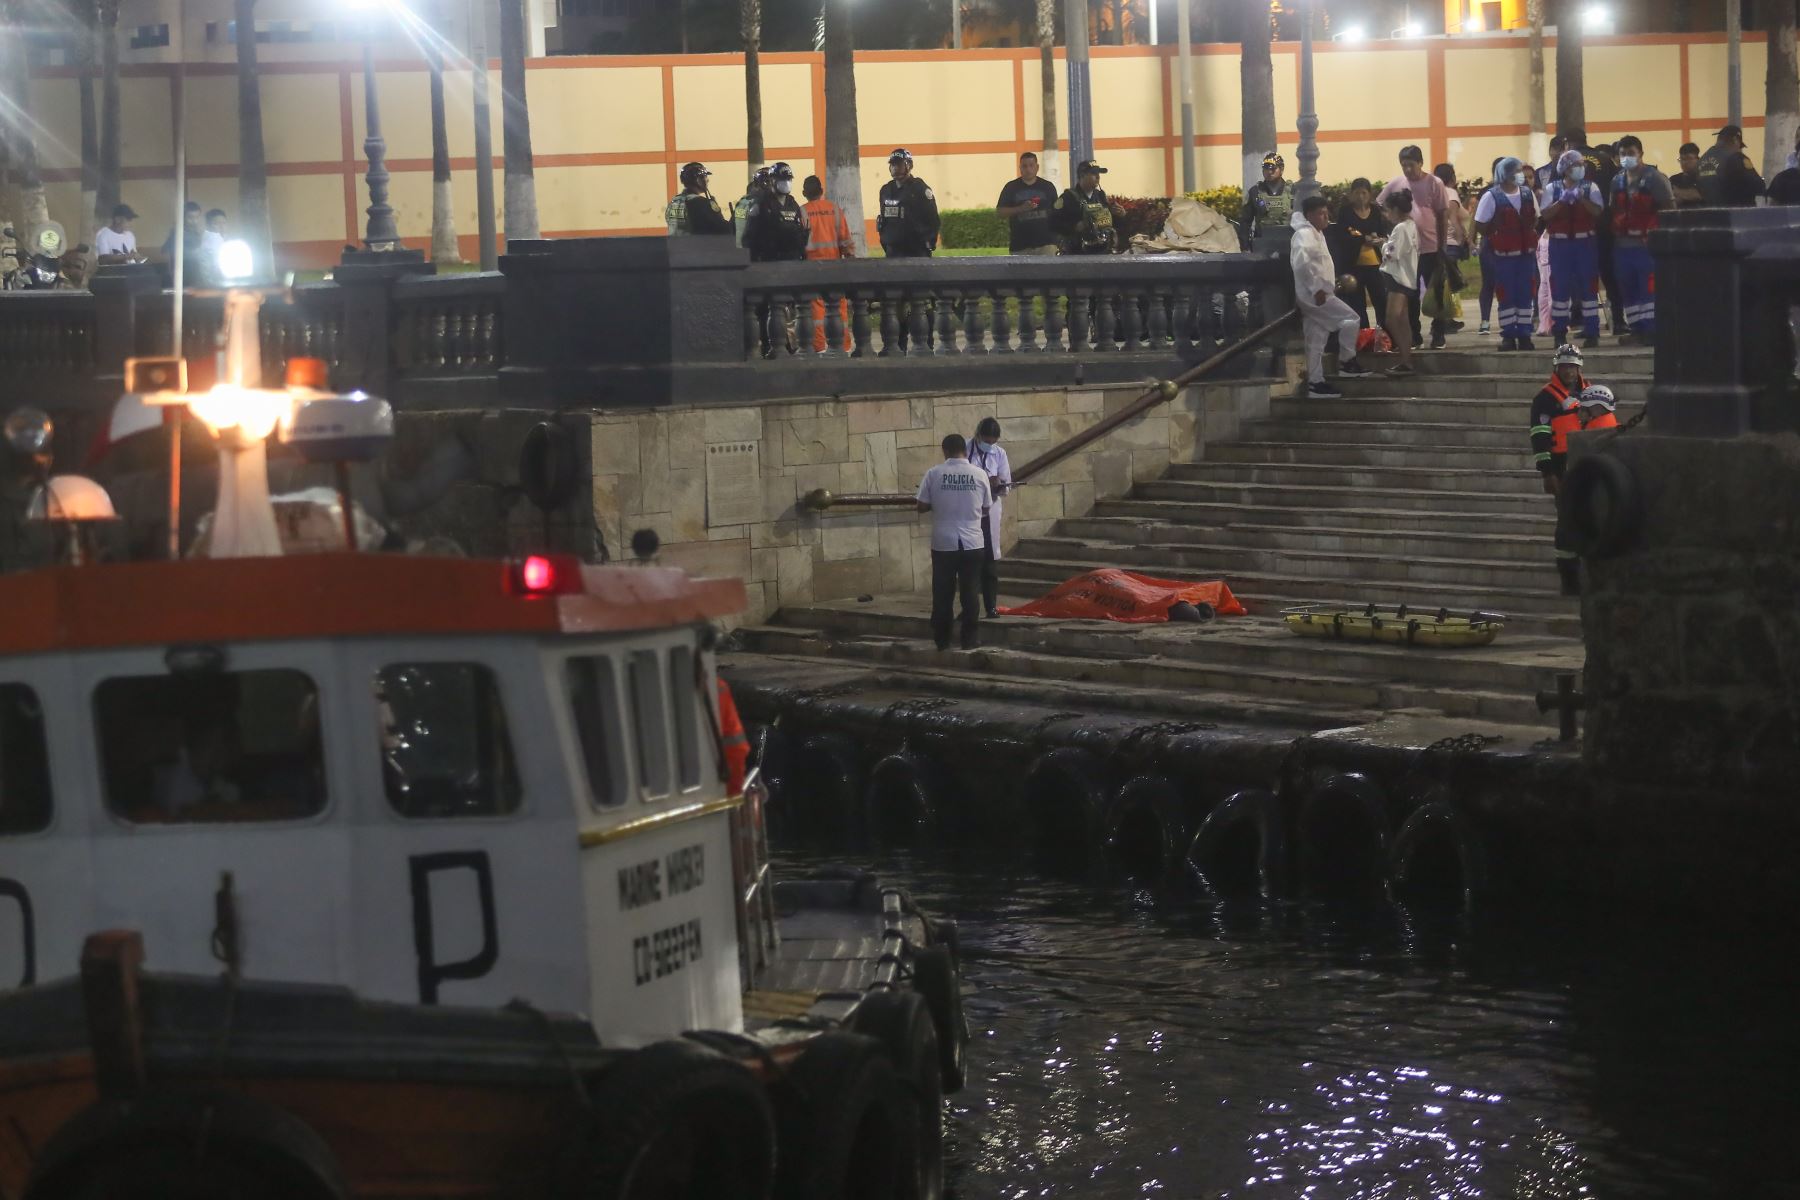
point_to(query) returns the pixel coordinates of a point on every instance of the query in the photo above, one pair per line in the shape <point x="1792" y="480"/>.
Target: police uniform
<point x="1727" y="180"/>
<point x="694" y="212"/>
<point x="1085" y="219"/>
<point x="777" y="230"/>
<point x="1267" y="208"/>
<point x="908" y="224"/>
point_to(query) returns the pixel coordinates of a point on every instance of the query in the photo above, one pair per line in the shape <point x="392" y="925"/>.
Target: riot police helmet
<point x="695" y="175"/>
<point x="781" y="171"/>
<point x="900" y="154"/>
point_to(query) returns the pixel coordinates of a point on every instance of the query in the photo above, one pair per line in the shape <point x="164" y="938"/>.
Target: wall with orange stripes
<point x="610" y="133"/>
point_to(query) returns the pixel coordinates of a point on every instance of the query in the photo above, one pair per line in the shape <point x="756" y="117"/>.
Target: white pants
<point x="1321" y="321"/>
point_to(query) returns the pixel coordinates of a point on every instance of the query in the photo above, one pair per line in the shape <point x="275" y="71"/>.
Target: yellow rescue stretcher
<point x="1395" y="626"/>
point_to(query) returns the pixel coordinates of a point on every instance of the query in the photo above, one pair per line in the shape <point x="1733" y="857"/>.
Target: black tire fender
<point x="847" y="1124"/>
<point x="902" y="1023"/>
<point x="1065" y="799"/>
<point x="1424" y="834"/>
<point x="824" y="782"/>
<point x="1146" y="826"/>
<point x="1330" y="862"/>
<point x="1603" y="506"/>
<point x="674" y="1119"/>
<point x="901" y="801"/>
<point x="938" y="980"/>
<point x="208" y="1145"/>
<point x="1214" y="854"/>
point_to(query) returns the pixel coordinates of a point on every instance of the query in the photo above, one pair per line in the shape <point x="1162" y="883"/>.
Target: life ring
<point x="1146" y="826"/>
<point x="1437" y="855"/>
<point x="1241" y="846"/>
<point x="902" y="1023"/>
<point x="1344" y="839"/>
<point x="900" y="805"/>
<point x="151" y="1148"/>
<point x="1603" y="506"/>
<point x="1065" y="802"/>
<point x="825" y="783"/>
<point x="938" y="979"/>
<point x="847" y="1126"/>
<point x="674" y="1119"/>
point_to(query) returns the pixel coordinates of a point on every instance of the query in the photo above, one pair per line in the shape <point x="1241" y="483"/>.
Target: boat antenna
<point x="177" y="310"/>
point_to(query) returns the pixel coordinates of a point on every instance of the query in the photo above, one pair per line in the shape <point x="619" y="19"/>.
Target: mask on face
<point x="1628" y="161"/>
<point x="1518" y="177"/>
<point x="784" y="186"/>
<point x="1576" y="174"/>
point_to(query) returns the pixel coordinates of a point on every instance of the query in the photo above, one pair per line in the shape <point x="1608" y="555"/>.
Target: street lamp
<point x="381" y="232"/>
<point x="1597" y="18"/>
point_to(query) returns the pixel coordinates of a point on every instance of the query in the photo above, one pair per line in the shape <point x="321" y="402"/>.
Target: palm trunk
<point x="750" y="18"/>
<point x="843" y="156"/>
<point x="30" y="208"/>
<point x="1118" y="14"/>
<point x="1540" y="132"/>
<point x="444" y="249"/>
<point x="106" y="189"/>
<point x="1257" y="78"/>
<point x="1781" y="104"/>
<point x="521" y="184"/>
<point x="1046" y="38"/>
<point x="253" y="168"/>
<point x="1571" y="105"/>
<point x="81" y="55"/>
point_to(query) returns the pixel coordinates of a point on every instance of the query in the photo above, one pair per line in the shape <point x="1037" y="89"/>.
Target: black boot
<point x="1570" y="571"/>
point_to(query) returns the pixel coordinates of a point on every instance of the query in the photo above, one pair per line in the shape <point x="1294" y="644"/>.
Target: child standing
<point x="1400" y="264"/>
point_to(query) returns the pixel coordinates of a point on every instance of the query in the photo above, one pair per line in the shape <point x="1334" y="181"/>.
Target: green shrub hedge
<point x="966" y="228"/>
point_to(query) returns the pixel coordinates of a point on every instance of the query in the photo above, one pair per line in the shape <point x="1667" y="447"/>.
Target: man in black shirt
<point x="1685" y="184"/>
<point x="908" y="224"/>
<point x="1026" y="203"/>
<point x="777" y="231"/>
<point x="1727" y="180"/>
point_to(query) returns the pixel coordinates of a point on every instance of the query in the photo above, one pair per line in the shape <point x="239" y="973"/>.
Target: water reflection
<point x="1124" y="1048"/>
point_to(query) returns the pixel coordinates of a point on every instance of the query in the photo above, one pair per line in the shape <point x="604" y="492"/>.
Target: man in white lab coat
<point x="1315" y="291"/>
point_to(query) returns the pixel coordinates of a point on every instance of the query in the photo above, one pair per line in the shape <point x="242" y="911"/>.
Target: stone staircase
<point x="1418" y="491"/>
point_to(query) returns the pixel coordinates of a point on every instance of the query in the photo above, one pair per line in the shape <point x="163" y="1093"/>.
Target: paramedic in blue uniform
<point x="957" y="495"/>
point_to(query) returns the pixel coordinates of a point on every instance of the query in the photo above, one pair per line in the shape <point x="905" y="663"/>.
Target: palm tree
<point x="253" y="169"/>
<point x="1571" y="103"/>
<point x="843" y="156"/>
<point x="1046" y="38"/>
<point x="1257" y="76"/>
<point x="106" y="187"/>
<point x="750" y="23"/>
<point x="30" y="208"/>
<point x="521" y="184"/>
<point x="444" y="249"/>
<point x="1781" y="103"/>
<point x="1540" y="133"/>
<point x="85" y="20"/>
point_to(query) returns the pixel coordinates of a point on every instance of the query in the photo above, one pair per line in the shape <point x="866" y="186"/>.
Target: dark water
<point x="1128" y="1047"/>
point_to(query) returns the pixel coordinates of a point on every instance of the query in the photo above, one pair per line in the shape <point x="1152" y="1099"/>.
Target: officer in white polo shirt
<point x="956" y="494"/>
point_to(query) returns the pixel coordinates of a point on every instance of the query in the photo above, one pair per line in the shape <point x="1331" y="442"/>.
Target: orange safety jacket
<point x="732" y="740"/>
<point x="830" y="232"/>
<point x="1555" y="414"/>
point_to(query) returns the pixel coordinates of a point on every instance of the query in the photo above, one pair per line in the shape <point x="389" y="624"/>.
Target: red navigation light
<point x="545" y="575"/>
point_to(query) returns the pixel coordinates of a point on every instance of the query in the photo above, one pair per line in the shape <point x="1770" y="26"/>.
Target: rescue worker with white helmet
<point x="1555" y="414"/>
<point x="693" y="210"/>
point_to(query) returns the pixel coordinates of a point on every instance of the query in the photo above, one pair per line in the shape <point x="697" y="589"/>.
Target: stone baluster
<point x="439" y="349"/>
<point x="1132" y="318"/>
<point x="752" y="332"/>
<point x="834" y="324"/>
<point x="1181" y="316"/>
<point x="919" y="322"/>
<point x="974" y="328"/>
<point x="946" y="322"/>
<point x="807" y="325"/>
<point x="487" y="342"/>
<point x="1054" y="318"/>
<point x="1159" y="318"/>
<point x="890" y="325"/>
<point x="859" y="325"/>
<point x="1002" y="321"/>
<point x="1028" y="298"/>
<point x="1105" y="319"/>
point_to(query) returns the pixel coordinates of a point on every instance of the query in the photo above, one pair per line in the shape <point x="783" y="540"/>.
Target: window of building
<point x="146" y="37"/>
<point x="212" y="747"/>
<point x="445" y="749"/>
<point x="685" y="692"/>
<point x="24" y="762"/>
<point x="593" y="689"/>
<point x="649" y="722"/>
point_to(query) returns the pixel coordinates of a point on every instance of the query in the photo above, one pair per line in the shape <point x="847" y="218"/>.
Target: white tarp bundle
<point x="1192" y="228"/>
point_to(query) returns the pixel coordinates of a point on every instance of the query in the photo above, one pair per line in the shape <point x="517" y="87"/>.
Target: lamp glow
<point x="251" y="412"/>
<point x="1352" y="33"/>
<point x="1412" y="29"/>
<point x="236" y="261"/>
<point x="1596" y="17"/>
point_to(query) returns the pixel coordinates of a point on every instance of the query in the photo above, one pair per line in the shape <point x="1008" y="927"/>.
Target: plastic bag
<point x="1374" y="341"/>
<point x="1439" y="303"/>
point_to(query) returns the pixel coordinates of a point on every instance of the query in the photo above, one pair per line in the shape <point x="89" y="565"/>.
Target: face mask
<point x="784" y="186"/>
<point x="1576" y="174"/>
<point x="1628" y="161"/>
<point x="1518" y="177"/>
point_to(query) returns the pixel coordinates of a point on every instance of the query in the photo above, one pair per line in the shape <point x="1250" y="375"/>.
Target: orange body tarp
<point x="1114" y="595"/>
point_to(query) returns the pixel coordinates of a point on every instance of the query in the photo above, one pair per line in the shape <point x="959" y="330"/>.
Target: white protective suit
<point x="1313" y="273"/>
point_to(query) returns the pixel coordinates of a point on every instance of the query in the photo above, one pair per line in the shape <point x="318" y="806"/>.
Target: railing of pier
<point x="449" y="324"/>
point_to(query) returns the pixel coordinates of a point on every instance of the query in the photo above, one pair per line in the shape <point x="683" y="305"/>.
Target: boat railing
<point x="757" y="936"/>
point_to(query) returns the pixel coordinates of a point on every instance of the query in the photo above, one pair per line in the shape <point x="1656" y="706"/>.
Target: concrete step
<point x="1482" y="357"/>
<point x="1470" y="482"/>
<point x="1518" y="386"/>
<point x="1516" y="662"/>
<point x="1215" y="515"/>
<point x="1374" y="431"/>
<point x="1400" y="564"/>
<point x="1535" y="610"/>
<point x="1294" y="690"/>
<point x="1396" y="404"/>
<point x="1377" y="454"/>
<point x="1534" y="549"/>
<point x="1314" y="492"/>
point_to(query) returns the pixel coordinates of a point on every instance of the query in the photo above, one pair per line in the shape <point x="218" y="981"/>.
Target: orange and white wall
<point x="611" y="133"/>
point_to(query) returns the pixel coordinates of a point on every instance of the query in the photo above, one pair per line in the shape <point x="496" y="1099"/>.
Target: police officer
<point x="1270" y="204"/>
<point x="908" y="223"/>
<point x="777" y="231"/>
<point x="1083" y="215"/>
<point x="1727" y="180"/>
<point x="693" y="210"/>
<point x="740" y="212"/>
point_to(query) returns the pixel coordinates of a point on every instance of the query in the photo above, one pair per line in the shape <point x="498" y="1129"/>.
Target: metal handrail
<point x="1158" y="393"/>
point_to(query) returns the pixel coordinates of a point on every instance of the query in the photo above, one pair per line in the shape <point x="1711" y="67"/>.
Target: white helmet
<point x="1599" y="396"/>
<point x="1566" y="355"/>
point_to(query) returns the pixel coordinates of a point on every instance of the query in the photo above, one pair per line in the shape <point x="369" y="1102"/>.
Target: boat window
<point x="213" y="747"/>
<point x="24" y="762"/>
<point x="594" y="702"/>
<point x="685" y="691"/>
<point x="445" y="750"/>
<point x="648" y="720"/>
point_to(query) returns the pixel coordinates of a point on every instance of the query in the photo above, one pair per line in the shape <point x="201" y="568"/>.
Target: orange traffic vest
<point x="1568" y="416"/>
<point x="735" y="744"/>
<point x="830" y="232"/>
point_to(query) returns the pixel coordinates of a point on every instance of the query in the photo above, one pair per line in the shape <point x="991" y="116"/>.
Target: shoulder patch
<point x="929" y="195"/>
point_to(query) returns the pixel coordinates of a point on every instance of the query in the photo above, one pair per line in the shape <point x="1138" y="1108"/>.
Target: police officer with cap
<point x="1727" y="180"/>
<point x="693" y="210"/>
<point x="1083" y="215"/>
<point x="908" y="223"/>
<point x="1270" y="204"/>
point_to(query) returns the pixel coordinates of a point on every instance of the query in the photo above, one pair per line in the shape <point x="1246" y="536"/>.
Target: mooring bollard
<point x="1567" y="701"/>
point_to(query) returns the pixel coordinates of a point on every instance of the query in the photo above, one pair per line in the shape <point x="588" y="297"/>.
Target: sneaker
<point x="1400" y="371"/>
<point x="1418" y="343"/>
<point x="1454" y="327"/>
<point x="1353" y="368"/>
<point x="1509" y="343"/>
<point x="1485" y="330"/>
<point x="992" y="614"/>
<point x="1323" y="391"/>
<point x="1437" y="341"/>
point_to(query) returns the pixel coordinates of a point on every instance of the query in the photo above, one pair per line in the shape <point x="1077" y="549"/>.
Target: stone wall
<point x="650" y="470"/>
